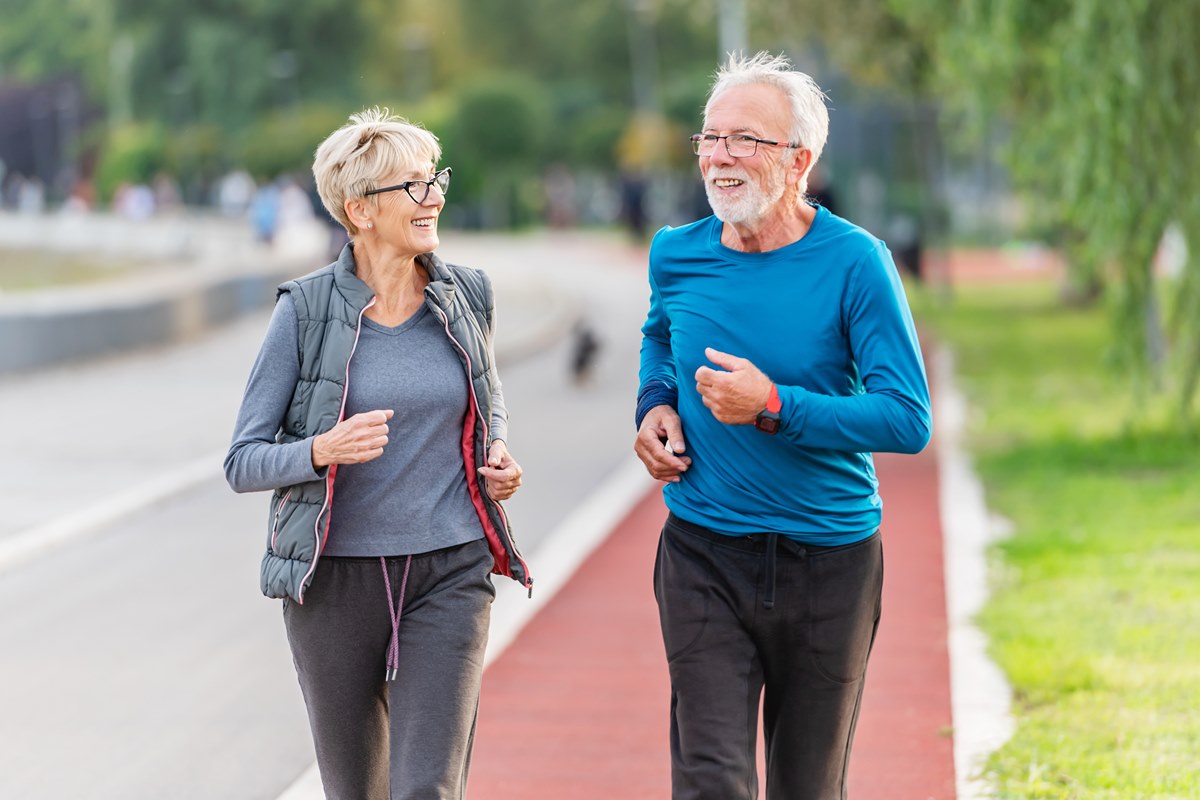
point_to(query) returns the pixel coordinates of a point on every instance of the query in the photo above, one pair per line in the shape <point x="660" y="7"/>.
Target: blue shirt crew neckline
<point x="814" y="232"/>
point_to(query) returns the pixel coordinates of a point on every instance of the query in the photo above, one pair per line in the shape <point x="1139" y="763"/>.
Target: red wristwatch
<point x="767" y="420"/>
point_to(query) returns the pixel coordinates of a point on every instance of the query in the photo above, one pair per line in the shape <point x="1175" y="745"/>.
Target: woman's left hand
<point x="502" y="475"/>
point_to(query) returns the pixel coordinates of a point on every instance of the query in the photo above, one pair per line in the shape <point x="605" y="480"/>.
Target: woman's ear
<point x="356" y="211"/>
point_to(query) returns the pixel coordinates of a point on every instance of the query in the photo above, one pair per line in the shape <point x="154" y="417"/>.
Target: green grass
<point x="1095" y="606"/>
<point x="38" y="269"/>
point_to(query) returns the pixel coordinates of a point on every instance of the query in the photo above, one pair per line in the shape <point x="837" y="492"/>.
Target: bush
<point x="284" y="141"/>
<point x="131" y="153"/>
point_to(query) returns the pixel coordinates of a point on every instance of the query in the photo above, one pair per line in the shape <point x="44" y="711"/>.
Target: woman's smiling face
<point x="409" y="227"/>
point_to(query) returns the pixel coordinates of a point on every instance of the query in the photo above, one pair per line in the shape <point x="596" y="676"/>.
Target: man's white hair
<point x="810" y="116"/>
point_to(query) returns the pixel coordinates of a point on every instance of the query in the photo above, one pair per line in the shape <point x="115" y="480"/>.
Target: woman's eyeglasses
<point x="419" y="190"/>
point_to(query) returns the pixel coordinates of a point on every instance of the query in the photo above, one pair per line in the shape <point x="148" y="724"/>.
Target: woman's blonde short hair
<point x="374" y="145"/>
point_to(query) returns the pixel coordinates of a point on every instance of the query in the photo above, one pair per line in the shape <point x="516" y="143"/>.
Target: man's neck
<point x="787" y="224"/>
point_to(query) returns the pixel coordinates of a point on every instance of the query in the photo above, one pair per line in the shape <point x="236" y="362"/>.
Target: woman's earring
<point x="370" y="224"/>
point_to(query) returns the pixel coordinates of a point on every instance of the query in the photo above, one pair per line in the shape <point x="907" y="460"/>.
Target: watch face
<point x="767" y="422"/>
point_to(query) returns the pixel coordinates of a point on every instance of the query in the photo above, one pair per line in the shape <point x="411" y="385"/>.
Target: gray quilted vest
<point x="329" y="305"/>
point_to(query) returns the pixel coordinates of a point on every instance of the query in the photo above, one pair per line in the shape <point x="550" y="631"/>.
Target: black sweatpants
<point x="410" y="737"/>
<point x="809" y="651"/>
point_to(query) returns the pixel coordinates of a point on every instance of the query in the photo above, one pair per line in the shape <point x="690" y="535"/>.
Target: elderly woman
<point x="376" y="387"/>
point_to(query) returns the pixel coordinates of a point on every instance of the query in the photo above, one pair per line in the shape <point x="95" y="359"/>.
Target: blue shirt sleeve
<point x="891" y="413"/>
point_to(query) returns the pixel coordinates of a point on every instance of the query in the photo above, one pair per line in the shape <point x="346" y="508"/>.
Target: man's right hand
<point x="353" y="440"/>
<point x="659" y="444"/>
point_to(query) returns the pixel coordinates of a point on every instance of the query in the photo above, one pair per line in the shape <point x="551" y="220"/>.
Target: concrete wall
<point x="202" y="271"/>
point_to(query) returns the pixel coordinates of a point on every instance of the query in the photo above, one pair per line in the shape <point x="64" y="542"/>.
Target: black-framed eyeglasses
<point x="419" y="190"/>
<point x="738" y="145"/>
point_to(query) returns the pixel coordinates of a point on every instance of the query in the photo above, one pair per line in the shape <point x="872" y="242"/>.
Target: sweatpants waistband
<point x="401" y="557"/>
<point x="758" y="543"/>
<point x="764" y="544"/>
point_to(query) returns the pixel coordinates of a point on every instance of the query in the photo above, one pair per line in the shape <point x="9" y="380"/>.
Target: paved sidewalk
<point x="576" y="707"/>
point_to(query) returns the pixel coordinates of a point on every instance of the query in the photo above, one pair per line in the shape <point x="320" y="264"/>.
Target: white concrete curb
<point x="979" y="692"/>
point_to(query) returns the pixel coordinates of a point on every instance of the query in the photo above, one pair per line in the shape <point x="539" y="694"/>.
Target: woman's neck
<point x="397" y="281"/>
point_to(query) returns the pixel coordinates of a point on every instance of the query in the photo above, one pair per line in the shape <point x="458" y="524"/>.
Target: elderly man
<point x="779" y="353"/>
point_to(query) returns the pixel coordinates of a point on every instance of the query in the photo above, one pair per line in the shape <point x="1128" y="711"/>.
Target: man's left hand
<point x="734" y="396"/>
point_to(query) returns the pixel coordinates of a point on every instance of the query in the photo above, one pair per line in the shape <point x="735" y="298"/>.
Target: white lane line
<point x="557" y="558"/>
<point x="980" y="696"/>
<point x="49" y="536"/>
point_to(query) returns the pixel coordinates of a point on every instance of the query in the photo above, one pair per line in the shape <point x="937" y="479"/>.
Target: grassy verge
<point x="1095" y="607"/>
<point x="37" y="269"/>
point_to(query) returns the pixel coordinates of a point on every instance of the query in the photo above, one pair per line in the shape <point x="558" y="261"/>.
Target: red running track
<point x="576" y="707"/>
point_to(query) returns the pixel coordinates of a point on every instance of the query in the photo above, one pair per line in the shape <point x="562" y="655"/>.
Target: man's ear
<point x="800" y="167"/>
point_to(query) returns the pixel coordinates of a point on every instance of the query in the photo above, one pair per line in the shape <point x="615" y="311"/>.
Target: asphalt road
<point x="138" y="658"/>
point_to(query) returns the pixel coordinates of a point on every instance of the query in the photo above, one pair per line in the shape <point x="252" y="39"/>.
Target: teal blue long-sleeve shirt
<point x="827" y="320"/>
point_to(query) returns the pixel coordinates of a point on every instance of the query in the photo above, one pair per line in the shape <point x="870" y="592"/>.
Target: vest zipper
<point x="479" y="415"/>
<point x="318" y="537"/>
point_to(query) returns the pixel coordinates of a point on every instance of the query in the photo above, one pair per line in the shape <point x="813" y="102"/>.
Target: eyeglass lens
<point x="419" y="190"/>
<point x="738" y="146"/>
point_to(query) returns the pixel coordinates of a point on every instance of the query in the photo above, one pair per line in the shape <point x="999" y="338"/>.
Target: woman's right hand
<point x="352" y="441"/>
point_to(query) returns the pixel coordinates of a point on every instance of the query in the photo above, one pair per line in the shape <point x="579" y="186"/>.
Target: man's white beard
<point x="752" y="203"/>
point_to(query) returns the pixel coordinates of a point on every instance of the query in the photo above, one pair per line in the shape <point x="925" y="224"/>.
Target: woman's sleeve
<point x="255" y="461"/>
<point x="498" y="424"/>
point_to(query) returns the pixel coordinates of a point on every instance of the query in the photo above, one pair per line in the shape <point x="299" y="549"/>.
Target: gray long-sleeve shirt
<point x="413" y="498"/>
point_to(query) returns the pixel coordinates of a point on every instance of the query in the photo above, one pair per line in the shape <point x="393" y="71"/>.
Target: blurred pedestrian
<point x="376" y="386"/>
<point x="558" y="188"/>
<point x="235" y="192"/>
<point x="585" y="346"/>
<point x="336" y="237"/>
<point x="821" y="191"/>
<point x="633" y="204"/>
<point x="167" y="196"/>
<point x="264" y="212"/>
<point x="778" y="354"/>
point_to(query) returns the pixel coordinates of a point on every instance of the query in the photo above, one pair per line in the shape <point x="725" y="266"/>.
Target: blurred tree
<point x="45" y="39"/>
<point x="284" y="141"/>
<point x="227" y="60"/>
<point x="1101" y="100"/>
<point x="218" y="61"/>
<point x="499" y="133"/>
<point x="134" y="153"/>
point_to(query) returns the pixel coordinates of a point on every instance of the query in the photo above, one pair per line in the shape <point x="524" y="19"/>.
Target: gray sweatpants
<point x="411" y="737"/>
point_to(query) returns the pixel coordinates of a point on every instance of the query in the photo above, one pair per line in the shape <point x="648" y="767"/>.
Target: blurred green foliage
<point x="133" y="153"/>
<point x="1105" y="135"/>
<point x="284" y="141"/>
<point x="258" y="83"/>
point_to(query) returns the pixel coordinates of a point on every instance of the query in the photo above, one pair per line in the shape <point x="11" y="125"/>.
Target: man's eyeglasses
<point x="419" y="190"/>
<point x="738" y="145"/>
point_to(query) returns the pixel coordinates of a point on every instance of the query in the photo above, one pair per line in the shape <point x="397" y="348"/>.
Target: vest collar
<point x="356" y="292"/>
<point x="441" y="281"/>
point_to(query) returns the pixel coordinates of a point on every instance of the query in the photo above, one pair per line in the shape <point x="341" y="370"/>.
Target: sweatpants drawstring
<point x="769" y="597"/>
<point x="393" y="653"/>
